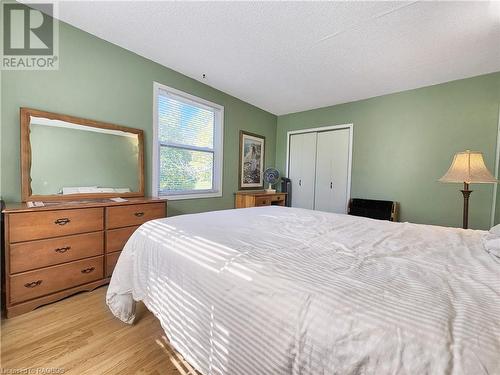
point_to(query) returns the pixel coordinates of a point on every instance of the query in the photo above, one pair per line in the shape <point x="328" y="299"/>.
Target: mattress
<point x="277" y="290"/>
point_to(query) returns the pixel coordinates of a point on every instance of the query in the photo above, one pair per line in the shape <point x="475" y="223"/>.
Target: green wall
<point x="404" y="142"/>
<point x="100" y="81"/>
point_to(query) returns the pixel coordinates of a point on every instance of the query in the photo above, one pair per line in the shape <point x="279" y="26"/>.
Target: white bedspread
<point x="275" y="290"/>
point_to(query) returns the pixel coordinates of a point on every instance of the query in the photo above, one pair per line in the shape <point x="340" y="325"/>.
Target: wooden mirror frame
<point x="26" y="192"/>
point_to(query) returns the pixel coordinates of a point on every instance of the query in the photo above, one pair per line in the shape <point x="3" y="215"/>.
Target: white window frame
<point x="216" y="190"/>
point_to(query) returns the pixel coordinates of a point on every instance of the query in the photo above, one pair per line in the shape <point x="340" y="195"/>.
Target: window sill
<point x="176" y="197"/>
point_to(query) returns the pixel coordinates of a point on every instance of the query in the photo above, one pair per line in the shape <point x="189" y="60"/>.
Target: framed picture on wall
<point x="251" y="168"/>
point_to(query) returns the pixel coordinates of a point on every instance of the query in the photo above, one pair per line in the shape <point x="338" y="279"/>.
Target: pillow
<point x="491" y="242"/>
<point x="495" y="230"/>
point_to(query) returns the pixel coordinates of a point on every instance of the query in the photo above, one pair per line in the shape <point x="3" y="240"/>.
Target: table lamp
<point x="468" y="167"/>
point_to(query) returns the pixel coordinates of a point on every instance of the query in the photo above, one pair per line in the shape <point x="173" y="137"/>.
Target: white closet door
<point x="332" y="169"/>
<point x="301" y="169"/>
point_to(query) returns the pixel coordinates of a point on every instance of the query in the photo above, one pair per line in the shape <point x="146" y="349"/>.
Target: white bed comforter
<point x="275" y="290"/>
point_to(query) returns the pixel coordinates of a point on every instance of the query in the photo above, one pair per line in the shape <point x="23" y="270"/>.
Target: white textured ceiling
<point x="291" y="56"/>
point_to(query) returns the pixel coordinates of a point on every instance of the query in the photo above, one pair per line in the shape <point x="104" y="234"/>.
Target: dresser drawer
<point x="111" y="260"/>
<point x="279" y="198"/>
<point x="38" y="283"/>
<point x="28" y="226"/>
<point x="117" y="238"/>
<point x="263" y="201"/>
<point x="26" y="256"/>
<point x="122" y="216"/>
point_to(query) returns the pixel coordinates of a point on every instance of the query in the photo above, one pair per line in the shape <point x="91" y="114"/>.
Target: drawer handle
<point x="62" y="221"/>
<point x="139" y="214"/>
<point x="264" y="202"/>
<point x="88" y="270"/>
<point x="62" y="249"/>
<point x="33" y="284"/>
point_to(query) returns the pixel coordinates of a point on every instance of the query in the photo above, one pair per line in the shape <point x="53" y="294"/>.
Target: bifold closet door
<point x="301" y="169"/>
<point x="332" y="169"/>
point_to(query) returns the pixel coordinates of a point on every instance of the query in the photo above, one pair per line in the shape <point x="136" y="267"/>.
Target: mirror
<point x="65" y="157"/>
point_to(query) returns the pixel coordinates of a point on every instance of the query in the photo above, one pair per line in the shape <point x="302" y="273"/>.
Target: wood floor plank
<point x="81" y="336"/>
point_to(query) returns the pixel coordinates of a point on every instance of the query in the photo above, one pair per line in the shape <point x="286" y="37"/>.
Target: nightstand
<point x="244" y="199"/>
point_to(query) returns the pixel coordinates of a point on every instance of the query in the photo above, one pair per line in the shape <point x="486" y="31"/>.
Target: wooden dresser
<point x="62" y="248"/>
<point x="258" y="198"/>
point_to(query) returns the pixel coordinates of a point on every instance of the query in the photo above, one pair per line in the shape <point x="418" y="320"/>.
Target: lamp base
<point x="466" y="193"/>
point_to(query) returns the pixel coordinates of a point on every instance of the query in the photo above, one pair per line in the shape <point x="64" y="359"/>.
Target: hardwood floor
<point x="80" y="336"/>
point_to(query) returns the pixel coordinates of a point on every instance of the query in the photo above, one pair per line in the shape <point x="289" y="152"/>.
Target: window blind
<point x="186" y="140"/>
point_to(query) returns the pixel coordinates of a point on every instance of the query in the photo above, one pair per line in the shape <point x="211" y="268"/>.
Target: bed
<point x="277" y="290"/>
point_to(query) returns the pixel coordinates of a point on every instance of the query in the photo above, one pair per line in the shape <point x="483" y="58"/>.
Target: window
<point x="187" y="154"/>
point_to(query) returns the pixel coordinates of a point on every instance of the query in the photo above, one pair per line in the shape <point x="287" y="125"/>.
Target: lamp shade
<point x="468" y="166"/>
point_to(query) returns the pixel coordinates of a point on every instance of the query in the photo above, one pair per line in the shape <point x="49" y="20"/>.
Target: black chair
<point x="374" y="209"/>
<point x="286" y="187"/>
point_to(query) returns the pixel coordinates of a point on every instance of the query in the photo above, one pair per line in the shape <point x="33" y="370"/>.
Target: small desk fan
<point x="271" y="176"/>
